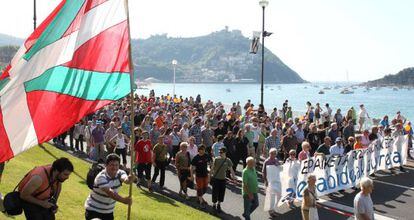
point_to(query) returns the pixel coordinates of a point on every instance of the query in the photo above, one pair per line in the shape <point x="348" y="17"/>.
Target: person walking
<point x="241" y="146"/>
<point x="219" y="168"/>
<point x="338" y="148"/>
<point x="160" y="160"/>
<point x="363" y="206"/>
<point x="120" y="141"/>
<point x="40" y="189"/>
<point x="309" y="205"/>
<point x="289" y="142"/>
<point x="199" y="169"/>
<point x="273" y="141"/>
<point x="100" y="203"/>
<point x="98" y="141"/>
<point x="176" y="140"/>
<point x="195" y="131"/>
<point x="249" y="134"/>
<point x="272" y="182"/>
<point x="182" y="164"/>
<point x="362" y="117"/>
<point x="88" y="137"/>
<point x="79" y="133"/>
<point x="250" y="188"/>
<point x="217" y="146"/>
<point x="305" y="153"/>
<point x="143" y="159"/>
<point x="111" y="132"/>
<point x="229" y="142"/>
<point x="192" y="149"/>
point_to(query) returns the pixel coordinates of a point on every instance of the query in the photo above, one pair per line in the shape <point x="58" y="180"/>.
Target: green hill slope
<point x="6" y="54"/>
<point x="75" y="191"/>
<point x="9" y="40"/>
<point x="216" y="57"/>
<point x="403" y="78"/>
<point x="222" y="56"/>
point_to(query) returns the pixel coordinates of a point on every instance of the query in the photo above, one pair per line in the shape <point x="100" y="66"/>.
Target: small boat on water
<point x="142" y="87"/>
<point x="347" y="91"/>
<point x="321" y="92"/>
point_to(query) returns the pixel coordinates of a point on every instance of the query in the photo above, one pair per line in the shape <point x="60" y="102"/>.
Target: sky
<point x="321" y="40"/>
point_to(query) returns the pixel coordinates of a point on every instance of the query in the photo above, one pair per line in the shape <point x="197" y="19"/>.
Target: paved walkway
<point x="342" y="202"/>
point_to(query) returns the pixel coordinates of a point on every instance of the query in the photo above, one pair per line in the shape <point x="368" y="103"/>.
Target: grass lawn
<point x="75" y="190"/>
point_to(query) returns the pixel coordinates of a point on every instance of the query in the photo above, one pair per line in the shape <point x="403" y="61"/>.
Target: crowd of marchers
<point x="208" y="144"/>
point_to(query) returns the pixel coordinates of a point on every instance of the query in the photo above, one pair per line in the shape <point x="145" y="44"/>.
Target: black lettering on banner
<point x="331" y="161"/>
<point x="397" y="158"/>
<point x="305" y="168"/>
<point x="388" y="159"/>
<point x="318" y="163"/>
<point x="345" y="161"/>
<point x="380" y="159"/>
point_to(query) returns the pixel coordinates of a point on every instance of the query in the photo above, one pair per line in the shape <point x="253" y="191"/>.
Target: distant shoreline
<point x="232" y="82"/>
<point x="358" y="84"/>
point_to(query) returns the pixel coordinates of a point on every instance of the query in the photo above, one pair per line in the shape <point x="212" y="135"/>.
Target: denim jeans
<point x="250" y="205"/>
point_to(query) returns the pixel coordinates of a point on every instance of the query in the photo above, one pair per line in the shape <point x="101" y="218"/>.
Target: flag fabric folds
<point x="74" y="63"/>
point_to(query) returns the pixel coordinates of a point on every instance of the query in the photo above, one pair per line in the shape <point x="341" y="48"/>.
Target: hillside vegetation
<point x="403" y="78"/>
<point x="221" y="56"/>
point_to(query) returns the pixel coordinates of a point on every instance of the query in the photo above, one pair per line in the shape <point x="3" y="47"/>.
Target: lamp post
<point x="34" y="14"/>
<point x="263" y="4"/>
<point x="174" y="63"/>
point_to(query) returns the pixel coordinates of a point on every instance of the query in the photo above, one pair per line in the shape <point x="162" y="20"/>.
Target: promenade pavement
<point x="393" y="197"/>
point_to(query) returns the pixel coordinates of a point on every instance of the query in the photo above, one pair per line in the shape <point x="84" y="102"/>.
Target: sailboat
<point x="347" y="90"/>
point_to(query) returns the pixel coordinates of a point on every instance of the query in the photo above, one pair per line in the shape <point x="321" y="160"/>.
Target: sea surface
<point x="378" y="101"/>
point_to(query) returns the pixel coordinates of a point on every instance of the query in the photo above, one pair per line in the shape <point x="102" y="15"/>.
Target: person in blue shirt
<point x="217" y="146"/>
<point x="384" y="122"/>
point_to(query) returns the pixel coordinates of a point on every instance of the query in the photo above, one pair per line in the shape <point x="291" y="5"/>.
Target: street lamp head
<point x="174" y="62"/>
<point x="263" y="3"/>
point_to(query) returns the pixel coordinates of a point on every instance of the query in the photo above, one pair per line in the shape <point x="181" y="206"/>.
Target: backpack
<point x="12" y="203"/>
<point x="92" y="173"/>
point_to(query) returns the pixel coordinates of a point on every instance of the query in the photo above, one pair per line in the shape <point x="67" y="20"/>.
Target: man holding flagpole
<point x="101" y="200"/>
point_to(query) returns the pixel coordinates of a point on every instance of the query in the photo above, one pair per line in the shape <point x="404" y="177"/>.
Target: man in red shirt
<point x="143" y="156"/>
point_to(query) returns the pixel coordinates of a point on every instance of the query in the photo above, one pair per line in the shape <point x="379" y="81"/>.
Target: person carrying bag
<point x="218" y="179"/>
<point x="38" y="191"/>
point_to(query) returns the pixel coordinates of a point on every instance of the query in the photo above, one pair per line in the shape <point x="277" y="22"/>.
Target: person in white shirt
<point x="100" y="203"/>
<point x="363" y="115"/>
<point x="363" y="206"/>
<point x="78" y="134"/>
<point x="337" y="148"/>
<point x="184" y="132"/>
<point x="192" y="149"/>
<point x="256" y="131"/>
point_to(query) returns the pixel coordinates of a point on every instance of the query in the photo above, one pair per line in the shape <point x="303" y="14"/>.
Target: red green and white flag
<point x="74" y="63"/>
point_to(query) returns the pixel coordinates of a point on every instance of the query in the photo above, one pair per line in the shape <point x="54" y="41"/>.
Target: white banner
<point x="334" y="173"/>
